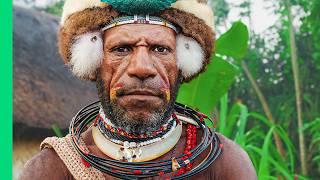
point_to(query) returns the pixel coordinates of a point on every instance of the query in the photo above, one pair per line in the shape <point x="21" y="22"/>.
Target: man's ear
<point x="86" y="55"/>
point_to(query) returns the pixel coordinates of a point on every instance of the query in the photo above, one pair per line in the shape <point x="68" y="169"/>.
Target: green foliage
<point x="312" y="129"/>
<point x="212" y="84"/>
<point x="234" y="43"/>
<point x="257" y="141"/>
<point x="57" y="131"/>
<point x="220" y="73"/>
<point x="269" y="62"/>
<point x="56" y="8"/>
<point x="221" y="11"/>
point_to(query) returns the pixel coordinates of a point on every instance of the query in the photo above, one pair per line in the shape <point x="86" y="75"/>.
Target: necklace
<point x="107" y="128"/>
<point x="131" y="152"/>
<point x="134" y="142"/>
<point x="135" y="170"/>
<point x="119" y="136"/>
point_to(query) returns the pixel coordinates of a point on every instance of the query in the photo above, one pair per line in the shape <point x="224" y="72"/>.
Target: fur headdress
<point x="80" y="34"/>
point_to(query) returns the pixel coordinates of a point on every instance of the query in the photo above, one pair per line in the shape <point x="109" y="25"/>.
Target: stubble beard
<point x="120" y="118"/>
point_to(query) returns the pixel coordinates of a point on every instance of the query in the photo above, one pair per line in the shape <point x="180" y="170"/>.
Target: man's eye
<point x="122" y="49"/>
<point x="161" y="49"/>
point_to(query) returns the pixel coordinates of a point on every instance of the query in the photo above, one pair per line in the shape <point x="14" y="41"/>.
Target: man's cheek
<point x="106" y="78"/>
<point x="173" y="80"/>
<point x="169" y="75"/>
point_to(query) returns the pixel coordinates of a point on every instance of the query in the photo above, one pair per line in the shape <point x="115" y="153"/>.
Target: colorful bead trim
<point x="136" y="144"/>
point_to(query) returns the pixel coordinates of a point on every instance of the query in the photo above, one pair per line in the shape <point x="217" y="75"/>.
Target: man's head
<point x="138" y="79"/>
<point x="138" y="62"/>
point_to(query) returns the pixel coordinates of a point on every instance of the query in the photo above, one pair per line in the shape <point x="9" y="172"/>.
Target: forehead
<point x="133" y="32"/>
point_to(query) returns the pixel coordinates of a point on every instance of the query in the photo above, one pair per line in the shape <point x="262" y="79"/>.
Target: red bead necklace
<point x="122" y="132"/>
<point x="191" y="143"/>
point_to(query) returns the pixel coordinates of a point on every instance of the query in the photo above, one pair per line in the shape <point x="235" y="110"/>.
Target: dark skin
<point x="142" y="58"/>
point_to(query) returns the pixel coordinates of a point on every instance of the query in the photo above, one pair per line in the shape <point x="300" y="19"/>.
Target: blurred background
<point x="261" y="89"/>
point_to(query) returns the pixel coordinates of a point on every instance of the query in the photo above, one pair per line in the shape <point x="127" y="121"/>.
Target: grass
<point x="253" y="132"/>
<point x="57" y="131"/>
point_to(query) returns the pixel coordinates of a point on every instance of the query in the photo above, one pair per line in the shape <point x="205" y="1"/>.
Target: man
<point x="138" y="52"/>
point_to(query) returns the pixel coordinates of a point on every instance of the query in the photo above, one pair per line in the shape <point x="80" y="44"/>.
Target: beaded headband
<point x="139" y="19"/>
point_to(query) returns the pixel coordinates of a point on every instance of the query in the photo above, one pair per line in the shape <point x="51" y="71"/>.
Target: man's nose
<point x="141" y="66"/>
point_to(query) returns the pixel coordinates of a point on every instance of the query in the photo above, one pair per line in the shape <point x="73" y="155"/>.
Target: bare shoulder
<point x="46" y="164"/>
<point x="234" y="162"/>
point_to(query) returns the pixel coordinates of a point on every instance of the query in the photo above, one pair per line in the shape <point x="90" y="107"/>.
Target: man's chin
<point x="141" y="116"/>
<point x="136" y="119"/>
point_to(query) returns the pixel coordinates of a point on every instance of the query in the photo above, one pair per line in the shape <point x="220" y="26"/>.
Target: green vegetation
<point x="220" y="73"/>
<point x="56" y="8"/>
<point x="263" y="88"/>
<point x="57" y="130"/>
<point x="274" y="101"/>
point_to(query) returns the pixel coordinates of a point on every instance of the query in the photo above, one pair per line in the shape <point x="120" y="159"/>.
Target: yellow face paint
<point x="113" y="93"/>
<point x="167" y="94"/>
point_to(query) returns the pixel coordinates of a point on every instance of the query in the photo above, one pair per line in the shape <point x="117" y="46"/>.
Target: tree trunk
<point x="295" y="69"/>
<point x="259" y="93"/>
<point x="265" y="106"/>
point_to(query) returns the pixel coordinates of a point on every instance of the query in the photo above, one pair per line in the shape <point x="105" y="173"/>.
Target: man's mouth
<point x="140" y="95"/>
<point x="141" y="92"/>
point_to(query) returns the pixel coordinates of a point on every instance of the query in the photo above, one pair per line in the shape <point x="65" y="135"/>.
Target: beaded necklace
<point x="109" y="129"/>
<point x="120" y="139"/>
<point x="133" y="151"/>
<point x="135" y="170"/>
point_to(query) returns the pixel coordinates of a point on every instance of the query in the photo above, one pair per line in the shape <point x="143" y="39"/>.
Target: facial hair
<point x="118" y="116"/>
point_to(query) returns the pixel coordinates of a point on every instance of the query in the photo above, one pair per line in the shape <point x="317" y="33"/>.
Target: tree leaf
<point x="264" y="166"/>
<point x="234" y="42"/>
<point x="204" y="92"/>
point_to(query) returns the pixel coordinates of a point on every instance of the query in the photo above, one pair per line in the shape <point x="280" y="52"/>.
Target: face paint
<point x="166" y="91"/>
<point x="134" y="124"/>
<point x="115" y="91"/>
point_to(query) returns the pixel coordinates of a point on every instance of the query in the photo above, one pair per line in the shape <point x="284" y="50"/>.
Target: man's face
<point x="139" y="76"/>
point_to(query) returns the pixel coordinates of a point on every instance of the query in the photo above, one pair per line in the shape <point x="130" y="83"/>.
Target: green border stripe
<point x="6" y="89"/>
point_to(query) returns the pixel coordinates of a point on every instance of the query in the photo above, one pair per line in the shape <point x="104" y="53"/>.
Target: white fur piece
<point x="200" y="10"/>
<point x="190" y="55"/>
<point x="72" y="6"/>
<point x="86" y="54"/>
